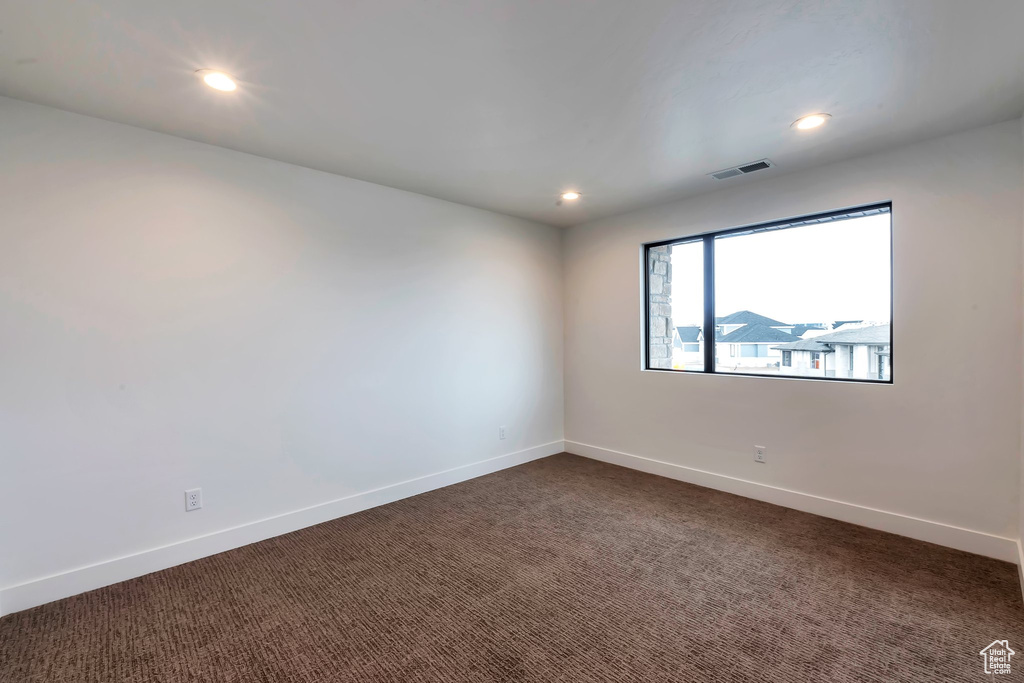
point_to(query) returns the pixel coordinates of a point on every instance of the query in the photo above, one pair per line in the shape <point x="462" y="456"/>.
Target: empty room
<point x="511" y="340"/>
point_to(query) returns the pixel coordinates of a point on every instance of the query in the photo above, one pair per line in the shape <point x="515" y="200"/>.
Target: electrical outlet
<point x="501" y="432"/>
<point x="760" y="454"/>
<point x="193" y="499"/>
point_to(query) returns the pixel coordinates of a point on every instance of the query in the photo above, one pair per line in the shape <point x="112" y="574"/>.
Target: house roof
<point x="688" y="334"/>
<point x="755" y="333"/>
<point x="800" y="328"/>
<point x="803" y="345"/>
<point x="748" y="318"/>
<point x="870" y="334"/>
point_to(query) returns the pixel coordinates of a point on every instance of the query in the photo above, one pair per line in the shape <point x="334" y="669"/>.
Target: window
<point x="806" y="297"/>
<point x="753" y="351"/>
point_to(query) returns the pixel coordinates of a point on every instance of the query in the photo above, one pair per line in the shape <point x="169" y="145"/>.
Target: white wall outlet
<point x="501" y="432"/>
<point x="760" y="454"/>
<point x="193" y="499"/>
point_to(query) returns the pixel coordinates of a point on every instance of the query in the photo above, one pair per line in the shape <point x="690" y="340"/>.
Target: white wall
<point x="178" y="315"/>
<point x="1020" y="541"/>
<point x="941" y="445"/>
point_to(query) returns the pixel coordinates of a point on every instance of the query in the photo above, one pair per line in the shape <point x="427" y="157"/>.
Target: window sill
<point x="836" y="380"/>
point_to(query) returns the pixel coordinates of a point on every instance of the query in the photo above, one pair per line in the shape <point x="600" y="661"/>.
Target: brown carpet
<point x="564" y="569"/>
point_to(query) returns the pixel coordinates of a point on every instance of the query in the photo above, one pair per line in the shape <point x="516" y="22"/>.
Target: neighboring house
<point x="746" y="340"/>
<point x="855" y="351"/>
<point x="734" y="321"/>
<point x="687" y="347"/>
<point x="803" y="357"/>
<point x="752" y="345"/>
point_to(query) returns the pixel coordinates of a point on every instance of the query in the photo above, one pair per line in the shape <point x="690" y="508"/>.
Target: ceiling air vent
<point x="740" y="170"/>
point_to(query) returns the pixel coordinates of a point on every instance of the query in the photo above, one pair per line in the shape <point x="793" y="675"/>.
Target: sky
<point x="815" y="273"/>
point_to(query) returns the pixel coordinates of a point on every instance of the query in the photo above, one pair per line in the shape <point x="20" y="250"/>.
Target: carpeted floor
<point x="564" y="569"/>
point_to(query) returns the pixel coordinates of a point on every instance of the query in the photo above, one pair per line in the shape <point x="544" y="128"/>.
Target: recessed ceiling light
<point x="218" y="80"/>
<point x="569" y="196"/>
<point x="811" y="121"/>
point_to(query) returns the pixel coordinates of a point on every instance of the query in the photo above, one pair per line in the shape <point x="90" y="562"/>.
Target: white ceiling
<point x="503" y="104"/>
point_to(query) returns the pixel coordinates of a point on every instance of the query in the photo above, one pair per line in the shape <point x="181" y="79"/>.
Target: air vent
<point x="741" y="170"/>
<point x="756" y="166"/>
<point x="722" y="175"/>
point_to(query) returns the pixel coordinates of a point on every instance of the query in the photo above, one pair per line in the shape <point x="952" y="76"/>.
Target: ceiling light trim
<point x="811" y="121"/>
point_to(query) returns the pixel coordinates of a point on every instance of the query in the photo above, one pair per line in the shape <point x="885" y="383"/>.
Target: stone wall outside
<point x="659" y="281"/>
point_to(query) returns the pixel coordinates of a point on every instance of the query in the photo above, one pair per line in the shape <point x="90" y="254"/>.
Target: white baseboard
<point x="1020" y="566"/>
<point x="977" y="542"/>
<point x="72" y="582"/>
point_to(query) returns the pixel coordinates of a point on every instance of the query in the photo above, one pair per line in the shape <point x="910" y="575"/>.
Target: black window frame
<point x="708" y="240"/>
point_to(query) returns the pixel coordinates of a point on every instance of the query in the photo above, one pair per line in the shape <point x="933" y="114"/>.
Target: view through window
<point x="809" y="297"/>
